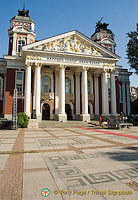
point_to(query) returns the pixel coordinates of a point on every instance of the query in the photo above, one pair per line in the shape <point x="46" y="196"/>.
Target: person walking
<point x="100" y="120"/>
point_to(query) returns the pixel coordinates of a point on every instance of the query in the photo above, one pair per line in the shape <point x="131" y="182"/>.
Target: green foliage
<point x="23" y="120"/>
<point x="132" y="50"/>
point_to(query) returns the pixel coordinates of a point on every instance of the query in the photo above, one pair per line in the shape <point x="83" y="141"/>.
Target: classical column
<point x="124" y="97"/>
<point x="27" y="102"/>
<point x="34" y="93"/>
<point x="77" y="95"/>
<point x="15" y="45"/>
<point x="113" y="94"/>
<point x="38" y="90"/>
<point x="56" y="93"/>
<point x="105" y="99"/>
<point x="96" y="94"/>
<point x="128" y="98"/>
<point x="85" y="116"/>
<point x="62" y="117"/>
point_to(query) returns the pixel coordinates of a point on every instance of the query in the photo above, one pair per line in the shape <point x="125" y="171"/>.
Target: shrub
<point x="23" y="120"/>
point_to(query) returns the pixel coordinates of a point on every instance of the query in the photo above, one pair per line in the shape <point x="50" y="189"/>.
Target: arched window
<point x="67" y="85"/>
<point x="46" y="84"/>
<point x="1" y="87"/>
<point x="89" y="87"/>
<point x="21" y="43"/>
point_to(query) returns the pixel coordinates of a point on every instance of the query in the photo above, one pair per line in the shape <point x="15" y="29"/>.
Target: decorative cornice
<point x="33" y="57"/>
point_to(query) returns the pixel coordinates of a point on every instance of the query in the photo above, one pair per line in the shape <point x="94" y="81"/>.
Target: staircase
<point x="56" y="124"/>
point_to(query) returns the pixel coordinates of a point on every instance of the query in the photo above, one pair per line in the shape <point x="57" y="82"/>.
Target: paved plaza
<point x="72" y="163"/>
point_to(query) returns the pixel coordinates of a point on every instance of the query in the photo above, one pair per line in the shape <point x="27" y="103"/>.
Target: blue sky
<point x="53" y="17"/>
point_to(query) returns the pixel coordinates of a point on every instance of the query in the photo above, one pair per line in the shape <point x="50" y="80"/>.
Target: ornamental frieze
<point x="33" y="57"/>
<point x="71" y="44"/>
<point x="47" y="96"/>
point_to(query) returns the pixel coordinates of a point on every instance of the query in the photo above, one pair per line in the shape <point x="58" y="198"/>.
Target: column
<point x="56" y="93"/>
<point x="27" y="102"/>
<point x="85" y="116"/>
<point x="78" y="95"/>
<point x="34" y="93"/>
<point x="128" y="98"/>
<point x="15" y="45"/>
<point x="113" y="94"/>
<point x="105" y="100"/>
<point x="38" y="90"/>
<point x="124" y="97"/>
<point x="62" y="117"/>
<point x="96" y="95"/>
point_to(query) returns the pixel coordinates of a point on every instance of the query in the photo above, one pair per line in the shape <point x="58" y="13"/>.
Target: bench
<point x="125" y="125"/>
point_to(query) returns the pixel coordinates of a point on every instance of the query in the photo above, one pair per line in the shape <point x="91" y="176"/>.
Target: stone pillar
<point x="34" y="93"/>
<point x="128" y="98"/>
<point x="96" y="94"/>
<point x="56" y="94"/>
<point x="62" y="117"/>
<point x="77" y="95"/>
<point x="124" y="97"/>
<point x="113" y="94"/>
<point x="15" y="45"/>
<point x="85" y="116"/>
<point x="38" y="90"/>
<point x="27" y="102"/>
<point x="105" y="99"/>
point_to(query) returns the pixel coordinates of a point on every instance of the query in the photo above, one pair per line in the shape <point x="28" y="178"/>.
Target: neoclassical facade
<point x="66" y="77"/>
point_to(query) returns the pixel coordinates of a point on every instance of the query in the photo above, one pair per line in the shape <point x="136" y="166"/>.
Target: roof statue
<point x="23" y="12"/>
<point x="101" y="26"/>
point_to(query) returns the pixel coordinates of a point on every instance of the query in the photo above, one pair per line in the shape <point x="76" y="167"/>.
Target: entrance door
<point x="88" y="109"/>
<point x="68" y="112"/>
<point x="46" y="112"/>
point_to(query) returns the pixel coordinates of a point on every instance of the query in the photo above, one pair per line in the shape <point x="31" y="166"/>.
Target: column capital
<point x="77" y="72"/>
<point x="106" y="70"/>
<point x="112" y="71"/>
<point x="38" y="65"/>
<point x="61" y="66"/>
<point x="96" y="75"/>
<point x="85" y="68"/>
<point x="28" y="64"/>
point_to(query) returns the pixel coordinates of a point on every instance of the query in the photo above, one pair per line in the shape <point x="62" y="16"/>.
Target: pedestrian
<point x="100" y="120"/>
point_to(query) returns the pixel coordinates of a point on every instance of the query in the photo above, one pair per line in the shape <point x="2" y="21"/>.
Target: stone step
<point x="54" y="124"/>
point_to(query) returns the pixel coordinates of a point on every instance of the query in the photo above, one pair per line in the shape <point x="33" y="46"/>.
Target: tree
<point x="132" y="50"/>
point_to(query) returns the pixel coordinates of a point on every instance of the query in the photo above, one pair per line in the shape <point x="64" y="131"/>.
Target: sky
<point x="54" y="17"/>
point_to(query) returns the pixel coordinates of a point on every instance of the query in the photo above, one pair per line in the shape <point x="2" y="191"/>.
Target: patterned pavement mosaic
<point x="69" y="163"/>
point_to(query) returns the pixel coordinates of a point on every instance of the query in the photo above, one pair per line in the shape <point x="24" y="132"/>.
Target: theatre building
<point x="65" y="77"/>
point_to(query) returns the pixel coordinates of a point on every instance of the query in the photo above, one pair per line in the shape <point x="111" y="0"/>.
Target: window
<point x="19" y="76"/>
<point x="21" y="43"/>
<point x="19" y="89"/>
<point x="67" y="85"/>
<point x="19" y="83"/>
<point x="46" y="84"/>
<point x="89" y="87"/>
<point x="1" y="87"/>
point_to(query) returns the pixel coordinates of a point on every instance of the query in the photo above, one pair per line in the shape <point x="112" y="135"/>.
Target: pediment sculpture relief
<point x="71" y="44"/>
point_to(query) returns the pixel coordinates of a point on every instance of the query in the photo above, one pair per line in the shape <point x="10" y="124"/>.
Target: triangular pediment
<point x="73" y="43"/>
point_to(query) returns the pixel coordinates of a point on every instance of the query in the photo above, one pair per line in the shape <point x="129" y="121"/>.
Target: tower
<point x="104" y="36"/>
<point x="21" y="32"/>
